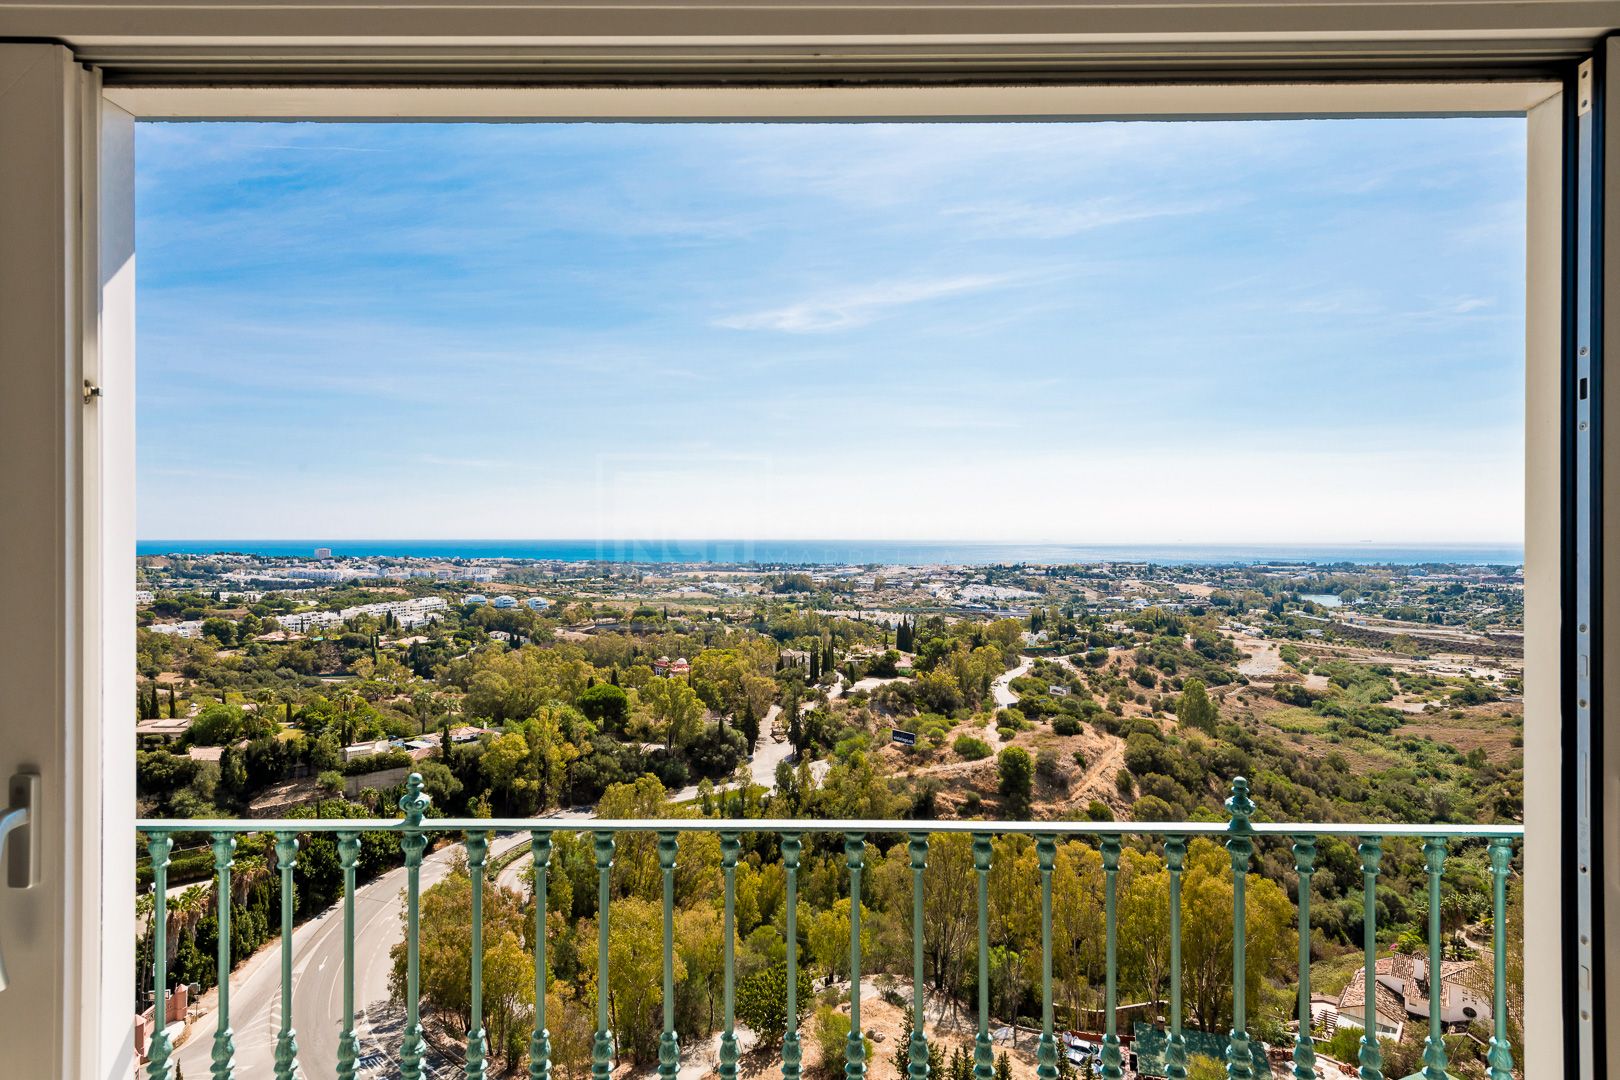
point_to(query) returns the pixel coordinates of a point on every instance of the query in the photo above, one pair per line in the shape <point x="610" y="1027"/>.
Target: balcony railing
<point x="1239" y="834"/>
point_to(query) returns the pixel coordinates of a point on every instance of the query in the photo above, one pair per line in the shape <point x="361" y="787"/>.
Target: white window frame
<point x="66" y="494"/>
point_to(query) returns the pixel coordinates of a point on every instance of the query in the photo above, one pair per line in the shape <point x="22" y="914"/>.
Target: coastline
<point x="856" y="552"/>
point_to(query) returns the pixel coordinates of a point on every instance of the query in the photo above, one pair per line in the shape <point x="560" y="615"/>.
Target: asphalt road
<point x="317" y="981"/>
<point x="255" y="993"/>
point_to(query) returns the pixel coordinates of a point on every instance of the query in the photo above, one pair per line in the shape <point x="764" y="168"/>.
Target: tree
<point x="220" y="630"/>
<point x="1194" y="707"/>
<point x="1206" y="947"/>
<point x="749" y="726"/>
<point x="606" y="706"/>
<point x="1003" y="1067"/>
<point x="762" y="1002"/>
<point x="902" y="1055"/>
<point x="1017" y="772"/>
<point x="635" y="979"/>
<point x="446" y="960"/>
<point x="827" y="936"/>
<point x="216" y="725"/>
<point x="675" y="708"/>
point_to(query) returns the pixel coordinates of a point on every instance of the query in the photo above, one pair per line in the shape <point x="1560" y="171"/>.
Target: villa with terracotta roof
<point x="1402" y="993"/>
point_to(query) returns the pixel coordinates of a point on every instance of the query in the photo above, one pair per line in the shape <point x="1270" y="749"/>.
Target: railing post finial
<point x="1239" y="806"/>
<point x="414" y="802"/>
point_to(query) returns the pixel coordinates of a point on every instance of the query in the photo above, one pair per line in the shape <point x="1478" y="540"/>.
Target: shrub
<point x="1066" y="725"/>
<point x="1017" y="772"/>
<point x="1124" y="782"/>
<point x="388" y="759"/>
<point x="832" y="1037"/>
<point x="1293" y="694"/>
<point x="1047" y="766"/>
<point x="966" y="746"/>
<point x="762" y="1001"/>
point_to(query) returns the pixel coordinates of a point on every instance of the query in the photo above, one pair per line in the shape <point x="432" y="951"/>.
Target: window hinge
<point x="91" y="391"/>
<point x="1583" y="88"/>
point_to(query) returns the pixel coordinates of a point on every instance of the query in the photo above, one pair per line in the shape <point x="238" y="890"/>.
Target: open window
<point x="67" y="294"/>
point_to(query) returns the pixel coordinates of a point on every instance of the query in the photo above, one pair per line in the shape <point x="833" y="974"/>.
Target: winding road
<point x="1001" y="692"/>
<point x="318" y="981"/>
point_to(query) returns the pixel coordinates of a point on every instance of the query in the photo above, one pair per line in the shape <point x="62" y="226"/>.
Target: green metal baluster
<point x="1047" y="1052"/>
<point x="855" y="1045"/>
<point x="1434" y="1047"/>
<point x="224" y="1057"/>
<point x="1112" y="1061"/>
<point x="540" y="1042"/>
<point x="1304" y="1043"/>
<point x="1500" y="1055"/>
<point x="287" y="1038"/>
<point x="669" y="1046"/>
<point x="729" y="847"/>
<point x="792" y="1053"/>
<point x="1175" y="1045"/>
<point x="1240" y="845"/>
<point x="477" y="1041"/>
<point x="984" y="1065"/>
<point x="158" y="1066"/>
<point x="413" y="843"/>
<point x="917" y="1066"/>
<point x="602" y="1047"/>
<point x="348" y="848"/>
<point x="1372" y="1059"/>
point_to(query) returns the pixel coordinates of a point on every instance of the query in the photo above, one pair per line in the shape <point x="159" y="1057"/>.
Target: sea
<point x="859" y="552"/>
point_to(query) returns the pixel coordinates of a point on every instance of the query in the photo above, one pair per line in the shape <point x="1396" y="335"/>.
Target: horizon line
<point x="814" y="540"/>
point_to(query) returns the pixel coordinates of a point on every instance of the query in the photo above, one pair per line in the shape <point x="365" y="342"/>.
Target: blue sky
<point x="1303" y="331"/>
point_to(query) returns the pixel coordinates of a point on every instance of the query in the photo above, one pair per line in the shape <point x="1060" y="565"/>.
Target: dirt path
<point x="1098" y="779"/>
<point x="1264" y="657"/>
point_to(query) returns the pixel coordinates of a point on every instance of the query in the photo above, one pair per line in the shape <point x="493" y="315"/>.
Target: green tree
<point x="762" y="1002"/>
<point x="216" y="725"/>
<point x="675" y="708"/>
<point x="446" y="960"/>
<point x="1017" y="774"/>
<point x="1194" y="707"/>
<point x="606" y="706"/>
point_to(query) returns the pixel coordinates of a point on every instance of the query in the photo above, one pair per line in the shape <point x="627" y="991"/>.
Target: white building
<point x="1402" y="993"/>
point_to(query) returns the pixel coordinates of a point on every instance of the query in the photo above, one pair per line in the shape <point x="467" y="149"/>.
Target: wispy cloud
<point x="1052" y="221"/>
<point x="859" y="307"/>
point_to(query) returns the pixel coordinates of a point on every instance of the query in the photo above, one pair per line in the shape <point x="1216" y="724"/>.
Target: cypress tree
<point x="171" y="703"/>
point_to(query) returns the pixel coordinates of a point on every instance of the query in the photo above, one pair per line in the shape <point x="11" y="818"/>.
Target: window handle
<point x="16" y="826"/>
